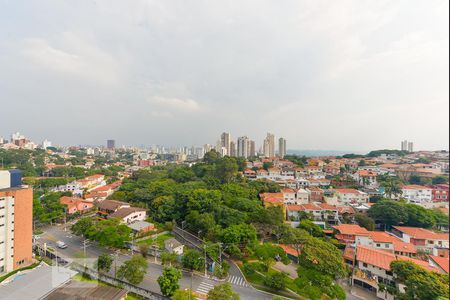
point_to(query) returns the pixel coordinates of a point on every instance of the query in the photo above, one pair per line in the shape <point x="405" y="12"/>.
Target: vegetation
<point x="223" y="292"/>
<point x="193" y="260"/>
<point x="133" y="270"/>
<point x="183" y="295"/>
<point x="47" y="209"/>
<point x="390" y="213"/>
<point x="111" y="232"/>
<point x="104" y="262"/>
<point x="168" y="281"/>
<point x="365" y="221"/>
<point x="420" y="283"/>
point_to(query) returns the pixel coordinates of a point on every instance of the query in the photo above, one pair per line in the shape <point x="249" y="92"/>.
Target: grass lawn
<point x="159" y="241"/>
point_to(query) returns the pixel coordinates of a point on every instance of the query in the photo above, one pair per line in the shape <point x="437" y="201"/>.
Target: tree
<point x="419" y="216"/>
<point x="221" y="271"/>
<point x="294" y="237"/>
<point x="322" y="256"/>
<point x="226" y="169"/>
<point x="193" y="260"/>
<point x="276" y="281"/>
<point x="82" y="226"/>
<point x="183" y="295"/>
<point x="420" y="283"/>
<point x="223" y="292"/>
<point x="211" y="157"/>
<point x="168" y="281"/>
<point x="133" y="270"/>
<point x="439" y="180"/>
<point x="168" y="258"/>
<point x="365" y="221"/>
<point x="391" y="186"/>
<point x="267" y="165"/>
<point x="388" y="212"/>
<point x="104" y="262"/>
<point x="240" y="234"/>
<point x="311" y="228"/>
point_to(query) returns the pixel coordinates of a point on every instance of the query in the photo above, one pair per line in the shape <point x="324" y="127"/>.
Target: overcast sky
<point x="343" y="75"/>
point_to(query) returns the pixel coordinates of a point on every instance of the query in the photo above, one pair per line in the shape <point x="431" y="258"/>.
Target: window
<point x="378" y="245"/>
<point x="386" y="245"/>
<point x="364" y="265"/>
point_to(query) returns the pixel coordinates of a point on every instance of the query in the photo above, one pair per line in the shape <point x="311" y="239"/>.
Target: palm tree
<point x="391" y="186"/>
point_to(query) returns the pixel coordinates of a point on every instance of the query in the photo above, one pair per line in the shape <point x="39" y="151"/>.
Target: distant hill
<point x="310" y="153"/>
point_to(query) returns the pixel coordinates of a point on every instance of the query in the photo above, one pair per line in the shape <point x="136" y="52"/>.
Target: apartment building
<point x="417" y="194"/>
<point x="16" y="229"/>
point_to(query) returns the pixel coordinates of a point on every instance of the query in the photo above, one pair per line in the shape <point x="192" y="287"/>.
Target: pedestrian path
<point x="236" y="280"/>
<point x="204" y="287"/>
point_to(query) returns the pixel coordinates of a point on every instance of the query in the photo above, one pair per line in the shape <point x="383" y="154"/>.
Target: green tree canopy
<point x="388" y="212"/>
<point x="104" y="262"/>
<point x="223" y="292"/>
<point x="133" y="270"/>
<point x="193" y="260"/>
<point x="168" y="281"/>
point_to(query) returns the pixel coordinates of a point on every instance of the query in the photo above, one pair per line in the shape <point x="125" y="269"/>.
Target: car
<point x="61" y="245"/>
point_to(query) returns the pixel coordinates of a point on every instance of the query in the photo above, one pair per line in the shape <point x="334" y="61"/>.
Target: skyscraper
<point x="252" y="148"/>
<point x="111" y="144"/>
<point x="410" y="147"/>
<point x="225" y="141"/>
<point x="232" y="149"/>
<point x="282" y="147"/>
<point x="404" y="145"/>
<point x="269" y="145"/>
<point x="243" y="146"/>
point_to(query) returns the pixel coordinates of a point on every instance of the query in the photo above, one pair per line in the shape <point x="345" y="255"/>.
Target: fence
<point x="147" y="294"/>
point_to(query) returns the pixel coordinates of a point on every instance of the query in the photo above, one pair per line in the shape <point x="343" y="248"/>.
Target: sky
<point x="343" y="75"/>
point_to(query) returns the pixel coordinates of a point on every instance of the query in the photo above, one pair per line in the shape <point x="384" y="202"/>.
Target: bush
<point x="248" y="269"/>
<point x="276" y="281"/>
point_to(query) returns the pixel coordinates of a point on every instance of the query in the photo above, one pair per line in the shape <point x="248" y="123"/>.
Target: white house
<point x="417" y="193"/>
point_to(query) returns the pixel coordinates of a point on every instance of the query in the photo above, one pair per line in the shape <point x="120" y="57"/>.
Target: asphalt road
<point x="75" y="252"/>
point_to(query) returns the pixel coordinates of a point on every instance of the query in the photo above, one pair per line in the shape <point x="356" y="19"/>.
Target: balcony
<point x="366" y="276"/>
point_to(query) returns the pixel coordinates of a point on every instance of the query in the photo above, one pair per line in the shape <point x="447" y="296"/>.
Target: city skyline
<point x="370" y="71"/>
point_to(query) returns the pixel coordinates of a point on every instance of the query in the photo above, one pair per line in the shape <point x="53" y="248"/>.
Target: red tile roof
<point x="347" y="191"/>
<point x="415" y="187"/>
<point x="422" y="234"/>
<point x="399" y="245"/>
<point x="383" y="259"/>
<point x="288" y="249"/>
<point x="351" y="229"/>
<point x="442" y="262"/>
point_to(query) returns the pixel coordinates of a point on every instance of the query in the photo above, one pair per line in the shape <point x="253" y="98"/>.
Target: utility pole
<point x="84" y="252"/>
<point x="220" y="253"/>
<point x="206" y="274"/>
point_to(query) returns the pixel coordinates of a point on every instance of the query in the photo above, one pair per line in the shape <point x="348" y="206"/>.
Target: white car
<point x="61" y="245"/>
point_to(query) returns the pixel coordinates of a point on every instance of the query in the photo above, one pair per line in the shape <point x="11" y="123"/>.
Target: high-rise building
<point x="243" y="146"/>
<point x="111" y="144"/>
<point x="232" y="149"/>
<point x="252" y="148"/>
<point x="16" y="219"/>
<point x="225" y="141"/>
<point x="405" y="145"/>
<point x="269" y="145"/>
<point x="281" y="147"/>
<point x="410" y="147"/>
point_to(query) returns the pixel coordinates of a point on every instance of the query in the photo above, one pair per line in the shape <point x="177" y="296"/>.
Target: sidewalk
<point x="290" y="269"/>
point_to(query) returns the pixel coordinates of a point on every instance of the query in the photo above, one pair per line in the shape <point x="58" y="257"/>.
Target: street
<point x="75" y="251"/>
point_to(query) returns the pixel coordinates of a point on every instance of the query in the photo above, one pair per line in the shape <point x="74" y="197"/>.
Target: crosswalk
<point x="204" y="287"/>
<point x="236" y="280"/>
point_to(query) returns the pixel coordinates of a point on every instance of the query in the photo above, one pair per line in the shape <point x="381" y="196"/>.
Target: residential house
<point x="387" y="242"/>
<point x="417" y="193"/>
<point x="350" y="196"/>
<point x="76" y="205"/>
<point x="422" y="238"/>
<point x="366" y="178"/>
<point x="129" y="215"/>
<point x="315" y="194"/>
<point x="174" y="246"/>
<point x="347" y="233"/>
<point x="373" y="267"/>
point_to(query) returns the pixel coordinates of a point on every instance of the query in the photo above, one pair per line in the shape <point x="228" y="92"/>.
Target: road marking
<point x="204" y="287"/>
<point x="236" y="280"/>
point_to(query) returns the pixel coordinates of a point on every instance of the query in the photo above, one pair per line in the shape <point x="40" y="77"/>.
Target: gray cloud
<point x="351" y="75"/>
